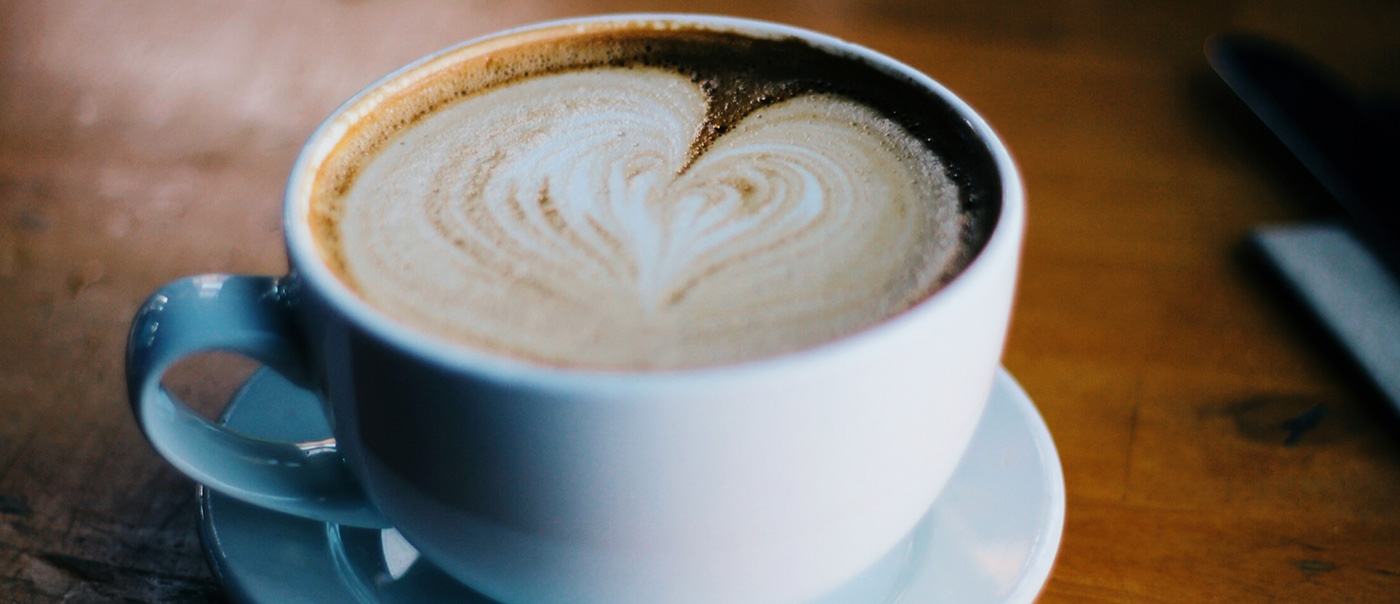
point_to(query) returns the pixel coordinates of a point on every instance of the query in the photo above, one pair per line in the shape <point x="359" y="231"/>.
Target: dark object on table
<point x="1345" y="143"/>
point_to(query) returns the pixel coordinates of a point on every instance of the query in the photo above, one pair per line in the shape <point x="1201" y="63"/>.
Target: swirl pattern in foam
<point x="570" y="219"/>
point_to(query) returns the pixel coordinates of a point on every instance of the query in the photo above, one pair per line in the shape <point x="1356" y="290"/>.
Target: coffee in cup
<point x="627" y="309"/>
<point x="650" y="196"/>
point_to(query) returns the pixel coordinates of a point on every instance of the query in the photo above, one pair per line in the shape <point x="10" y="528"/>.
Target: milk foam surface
<point x="568" y="219"/>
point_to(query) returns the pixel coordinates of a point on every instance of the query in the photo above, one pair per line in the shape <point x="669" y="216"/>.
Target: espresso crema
<point x="650" y="197"/>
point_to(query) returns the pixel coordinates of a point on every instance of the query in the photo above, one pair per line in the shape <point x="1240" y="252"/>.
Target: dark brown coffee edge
<point x="739" y="73"/>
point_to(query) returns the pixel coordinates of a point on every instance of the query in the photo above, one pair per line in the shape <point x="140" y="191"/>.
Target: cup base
<point x="991" y="537"/>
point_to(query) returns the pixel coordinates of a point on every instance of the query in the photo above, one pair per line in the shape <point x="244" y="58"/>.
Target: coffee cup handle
<point x="251" y="316"/>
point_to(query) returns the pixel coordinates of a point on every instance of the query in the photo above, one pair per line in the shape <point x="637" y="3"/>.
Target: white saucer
<point x="990" y="538"/>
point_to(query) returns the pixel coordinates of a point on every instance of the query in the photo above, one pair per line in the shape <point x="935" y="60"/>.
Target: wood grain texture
<point x="1217" y="446"/>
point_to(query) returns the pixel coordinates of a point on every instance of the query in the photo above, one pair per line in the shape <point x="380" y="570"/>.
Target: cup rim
<point x="309" y="267"/>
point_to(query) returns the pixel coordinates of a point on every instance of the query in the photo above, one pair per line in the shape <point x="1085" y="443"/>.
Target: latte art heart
<point x="572" y="219"/>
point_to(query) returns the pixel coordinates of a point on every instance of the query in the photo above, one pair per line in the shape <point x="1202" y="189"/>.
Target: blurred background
<point x="143" y="141"/>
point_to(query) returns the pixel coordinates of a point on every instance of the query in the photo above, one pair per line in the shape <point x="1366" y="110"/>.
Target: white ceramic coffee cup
<point x="767" y="481"/>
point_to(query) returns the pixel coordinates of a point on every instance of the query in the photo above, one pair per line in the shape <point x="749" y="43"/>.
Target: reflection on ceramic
<point x="990" y="538"/>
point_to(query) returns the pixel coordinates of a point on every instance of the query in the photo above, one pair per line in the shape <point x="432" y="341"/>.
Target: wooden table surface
<point x="140" y="142"/>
